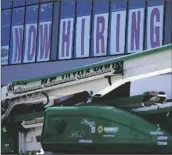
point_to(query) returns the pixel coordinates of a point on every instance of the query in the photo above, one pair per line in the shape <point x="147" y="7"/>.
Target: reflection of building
<point x="38" y="32"/>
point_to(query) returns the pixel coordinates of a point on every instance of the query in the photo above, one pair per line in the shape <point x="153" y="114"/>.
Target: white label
<point x="156" y="133"/>
<point x="93" y="129"/>
<point x="85" y="141"/>
<point x="162" y="138"/>
<point x="108" y="136"/>
<point x="162" y="143"/>
<point x="76" y="134"/>
<point x="110" y="129"/>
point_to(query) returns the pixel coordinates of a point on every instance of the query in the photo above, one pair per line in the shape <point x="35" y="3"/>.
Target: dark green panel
<point x="28" y="116"/>
<point x="100" y="129"/>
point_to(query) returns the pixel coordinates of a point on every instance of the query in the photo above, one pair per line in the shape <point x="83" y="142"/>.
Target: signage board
<point x="108" y="34"/>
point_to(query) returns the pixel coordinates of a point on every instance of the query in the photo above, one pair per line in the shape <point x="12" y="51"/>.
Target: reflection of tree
<point x="4" y="52"/>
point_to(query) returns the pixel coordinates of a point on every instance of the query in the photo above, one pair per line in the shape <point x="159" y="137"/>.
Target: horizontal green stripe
<point x="121" y="58"/>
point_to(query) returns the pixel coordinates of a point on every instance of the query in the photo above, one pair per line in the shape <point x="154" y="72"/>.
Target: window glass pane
<point x="66" y="29"/>
<point x="168" y="23"/>
<point x="19" y="3"/>
<point x="154" y="29"/>
<point x="32" y="2"/>
<point x="6" y="4"/>
<point x="155" y="2"/>
<point x="16" y="48"/>
<point x="117" y="27"/>
<point x="82" y="42"/>
<point x="55" y="30"/>
<point x="6" y="14"/>
<point x="118" y="5"/>
<point x="134" y="4"/>
<point x="135" y="26"/>
<point x="46" y="1"/>
<point x="30" y="39"/>
<point x="45" y="24"/>
<point x="100" y="28"/>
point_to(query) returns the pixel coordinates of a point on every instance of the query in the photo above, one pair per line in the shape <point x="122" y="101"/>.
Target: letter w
<point x="45" y="36"/>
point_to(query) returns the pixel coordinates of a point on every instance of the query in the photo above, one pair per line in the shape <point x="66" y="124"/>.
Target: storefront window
<point x="168" y="23"/>
<point x="55" y="31"/>
<point x="30" y="38"/>
<point x="116" y="43"/>
<point x="82" y="39"/>
<point x="41" y="1"/>
<point x="16" y="48"/>
<point x="45" y="25"/>
<point x="6" y="4"/>
<point x="18" y="3"/>
<point x="6" y="14"/>
<point x="100" y="28"/>
<point x="66" y="29"/>
<point x="32" y="2"/>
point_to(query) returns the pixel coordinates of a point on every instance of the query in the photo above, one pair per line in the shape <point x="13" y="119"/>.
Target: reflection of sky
<point x="6" y="18"/>
<point x="46" y="12"/>
<point x="18" y="16"/>
<point x="32" y="8"/>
